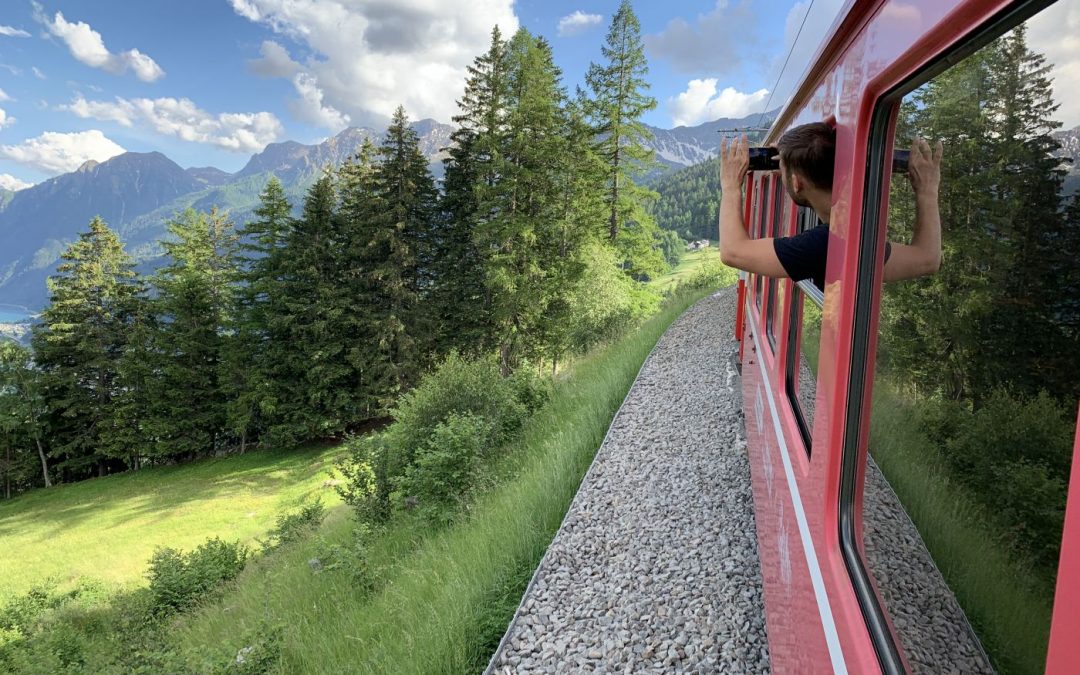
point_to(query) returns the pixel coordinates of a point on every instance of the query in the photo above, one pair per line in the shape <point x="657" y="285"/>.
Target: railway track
<point x="655" y="567"/>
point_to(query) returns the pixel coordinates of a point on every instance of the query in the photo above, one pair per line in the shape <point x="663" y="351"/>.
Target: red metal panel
<point x="1064" y="655"/>
<point x="875" y="47"/>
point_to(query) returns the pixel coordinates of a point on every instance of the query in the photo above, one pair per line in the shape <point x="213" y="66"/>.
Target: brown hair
<point x="810" y="149"/>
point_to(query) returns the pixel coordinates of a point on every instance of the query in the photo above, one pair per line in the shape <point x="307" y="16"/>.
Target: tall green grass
<point x="444" y="597"/>
<point x="1003" y="598"/>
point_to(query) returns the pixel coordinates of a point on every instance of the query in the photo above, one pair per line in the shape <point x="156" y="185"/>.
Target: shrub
<point x="445" y="468"/>
<point x="1014" y="453"/>
<point x="711" y="274"/>
<point x="293" y="526"/>
<point x="366" y="484"/>
<point x="179" y="580"/>
<point x="456" y="386"/>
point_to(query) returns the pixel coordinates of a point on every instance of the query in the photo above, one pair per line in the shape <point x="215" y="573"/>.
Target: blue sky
<point x="209" y="82"/>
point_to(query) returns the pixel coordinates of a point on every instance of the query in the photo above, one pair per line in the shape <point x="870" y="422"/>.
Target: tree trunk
<point x="504" y="359"/>
<point x="243" y="441"/>
<point x="44" y="462"/>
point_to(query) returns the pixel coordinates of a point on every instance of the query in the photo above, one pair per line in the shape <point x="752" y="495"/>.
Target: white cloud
<point x="368" y="58"/>
<point x="701" y="103"/>
<point x="1054" y="32"/>
<point x="5" y="121"/>
<point x="274" y="62"/>
<point x="55" y="152"/>
<point x="87" y="46"/>
<point x="9" y="182"/>
<point x="577" y="23"/>
<point x="716" y="42"/>
<point x="13" y="32"/>
<point x="4" y="96"/>
<point x="240" y="132"/>
<point x="37" y="73"/>
<point x="310" y="108"/>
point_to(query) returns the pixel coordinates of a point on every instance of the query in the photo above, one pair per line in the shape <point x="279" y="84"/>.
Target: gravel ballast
<point x="655" y="566"/>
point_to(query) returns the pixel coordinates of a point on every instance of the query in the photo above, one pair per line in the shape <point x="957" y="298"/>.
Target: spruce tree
<point x="618" y="100"/>
<point x="251" y="367"/>
<point x="130" y="435"/>
<point x="460" y="297"/>
<point x="311" y="372"/>
<point x="78" y="344"/>
<point x="194" y="303"/>
<point x="395" y="264"/>
<point x="22" y="407"/>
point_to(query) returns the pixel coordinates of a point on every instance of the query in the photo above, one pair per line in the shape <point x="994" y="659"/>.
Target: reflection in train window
<point x="756" y="231"/>
<point x="775" y="285"/>
<point x="975" y="391"/>
<point x="802" y="364"/>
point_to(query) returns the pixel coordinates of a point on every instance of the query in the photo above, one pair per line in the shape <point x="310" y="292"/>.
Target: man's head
<point x="807" y="156"/>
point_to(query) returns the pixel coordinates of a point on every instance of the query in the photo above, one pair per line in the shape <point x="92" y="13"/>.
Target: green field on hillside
<point x="691" y="262"/>
<point x="107" y="528"/>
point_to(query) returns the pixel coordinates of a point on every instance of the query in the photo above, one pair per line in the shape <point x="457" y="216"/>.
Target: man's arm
<point x="737" y="249"/>
<point x="923" y="255"/>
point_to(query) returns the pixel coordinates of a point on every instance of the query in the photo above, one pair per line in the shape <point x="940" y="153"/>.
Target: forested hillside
<point x="287" y="328"/>
<point x="689" y="201"/>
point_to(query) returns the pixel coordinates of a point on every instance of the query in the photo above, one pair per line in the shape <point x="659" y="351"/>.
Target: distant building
<point x="697" y="245"/>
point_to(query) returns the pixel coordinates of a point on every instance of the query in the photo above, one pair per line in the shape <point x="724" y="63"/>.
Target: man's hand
<point x="924" y="168"/>
<point x="923" y="255"/>
<point x="734" y="162"/>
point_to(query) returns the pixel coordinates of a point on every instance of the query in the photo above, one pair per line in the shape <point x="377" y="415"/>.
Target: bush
<point x="1014" y="453"/>
<point x="293" y="526"/>
<point x="711" y="274"/>
<point x="444" y="471"/>
<point x="457" y="386"/>
<point x="444" y="431"/>
<point x="179" y="580"/>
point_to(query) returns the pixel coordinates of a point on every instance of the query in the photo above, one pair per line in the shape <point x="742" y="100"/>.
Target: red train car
<point x="813" y="385"/>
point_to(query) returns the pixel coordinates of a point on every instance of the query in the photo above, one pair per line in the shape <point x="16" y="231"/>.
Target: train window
<point x="975" y="387"/>
<point x="775" y="285"/>
<point x="756" y="224"/>
<point x="804" y="338"/>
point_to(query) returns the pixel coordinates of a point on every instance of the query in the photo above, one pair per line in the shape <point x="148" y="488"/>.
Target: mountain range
<point x="136" y="193"/>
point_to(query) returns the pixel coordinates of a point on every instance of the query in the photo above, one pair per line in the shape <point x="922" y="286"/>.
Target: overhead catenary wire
<point x="786" y="59"/>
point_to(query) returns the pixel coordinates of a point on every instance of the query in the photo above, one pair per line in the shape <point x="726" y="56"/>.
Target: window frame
<point x="801" y="291"/>
<point x="775" y="223"/>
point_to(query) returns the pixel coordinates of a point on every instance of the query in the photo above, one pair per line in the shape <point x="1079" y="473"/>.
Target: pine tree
<point x="460" y="297"/>
<point x="251" y="366"/>
<point x="130" y="435"/>
<point x="311" y="376"/>
<point x="195" y="293"/>
<point x="22" y="407"/>
<point x="617" y="103"/>
<point x="78" y="345"/>
<point x="395" y="264"/>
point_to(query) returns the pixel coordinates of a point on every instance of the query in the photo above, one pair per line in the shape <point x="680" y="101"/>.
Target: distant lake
<point x="9" y="314"/>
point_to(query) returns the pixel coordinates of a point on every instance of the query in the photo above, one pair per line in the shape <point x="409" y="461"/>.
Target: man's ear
<point x="798" y="183"/>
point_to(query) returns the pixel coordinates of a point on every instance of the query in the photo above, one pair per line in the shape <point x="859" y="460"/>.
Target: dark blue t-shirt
<point x="804" y="255"/>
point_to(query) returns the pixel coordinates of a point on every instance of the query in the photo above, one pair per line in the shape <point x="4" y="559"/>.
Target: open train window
<point x="757" y="227"/>
<point x="775" y="292"/>
<point x="951" y="522"/>
<point x="804" y="339"/>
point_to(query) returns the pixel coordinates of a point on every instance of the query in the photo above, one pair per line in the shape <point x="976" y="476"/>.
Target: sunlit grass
<point x="690" y="263"/>
<point x="107" y="528"/>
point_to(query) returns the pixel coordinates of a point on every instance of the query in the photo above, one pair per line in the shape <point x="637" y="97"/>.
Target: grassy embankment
<point x="1006" y="603"/>
<point x="107" y="528"/>
<point x="444" y="597"/>
<point x="1008" y="608"/>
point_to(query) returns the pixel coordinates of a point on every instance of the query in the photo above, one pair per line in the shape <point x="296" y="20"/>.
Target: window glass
<point x="775" y="285"/>
<point x="976" y="380"/>
<point x="757" y="218"/>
